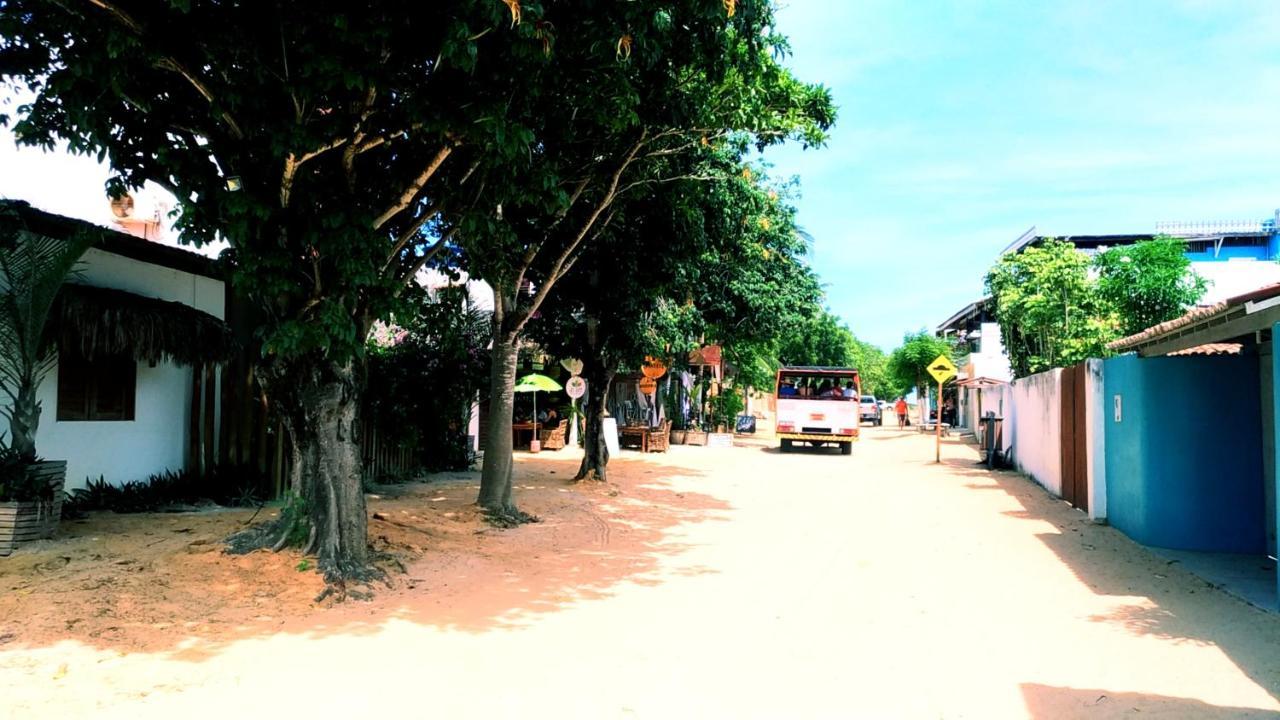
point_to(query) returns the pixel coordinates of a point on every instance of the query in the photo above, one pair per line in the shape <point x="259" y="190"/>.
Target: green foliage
<point x="819" y="340"/>
<point x="32" y="272"/>
<point x="729" y="269"/>
<point x="907" y="366"/>
<point x="1049" y="310"/>
<point x="225" y="485"/>
<point x="423" y="378"/>
<point x="296" y="521"/>
<point x="726" y="406"/>
<point x="1148" y="283"/>
<point x="1056" y="307"/>
<point x="303" y="565"/>
<point x="16" y="484"/>
<point x="822" y="339"/>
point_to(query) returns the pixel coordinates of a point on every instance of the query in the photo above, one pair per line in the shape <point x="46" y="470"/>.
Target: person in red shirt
<point x="901" y="408"/>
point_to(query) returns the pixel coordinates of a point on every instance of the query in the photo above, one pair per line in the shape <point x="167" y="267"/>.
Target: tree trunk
<point x="25" y="420"/>
<point x="318" y="403"/>
<point x="495" y="479"/>
<point x="595" y="457"/>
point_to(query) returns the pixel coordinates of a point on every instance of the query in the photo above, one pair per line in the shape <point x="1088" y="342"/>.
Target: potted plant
<point x="33" y="269"/>
<point x="725" y="407"/>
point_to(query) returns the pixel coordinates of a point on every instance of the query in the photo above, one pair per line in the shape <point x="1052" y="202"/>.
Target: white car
<point x="871" y="410"/>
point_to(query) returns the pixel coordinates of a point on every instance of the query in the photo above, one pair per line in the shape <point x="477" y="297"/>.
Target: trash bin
<point x="991" y="439"/>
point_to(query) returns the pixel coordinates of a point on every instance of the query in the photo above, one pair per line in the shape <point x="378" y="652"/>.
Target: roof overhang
<point x="61" y="227"/>
<point x="980" y="382"/>
<point x="100" y="322"/>
<point x="1226" y="322"/>
<point x="963" y="314"/>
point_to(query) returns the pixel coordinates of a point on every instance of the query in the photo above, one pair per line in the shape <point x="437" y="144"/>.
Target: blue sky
<point x="964" y="123"/>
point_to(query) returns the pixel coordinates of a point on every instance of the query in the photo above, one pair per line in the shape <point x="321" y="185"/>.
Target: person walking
<point x="901" y="408"/>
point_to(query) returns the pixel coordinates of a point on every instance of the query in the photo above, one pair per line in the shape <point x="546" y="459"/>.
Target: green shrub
<point x="15" y="484"/>
<point x="225" y="485"/>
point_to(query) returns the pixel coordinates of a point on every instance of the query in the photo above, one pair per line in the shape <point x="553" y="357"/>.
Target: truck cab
<point x="818" y="406"/>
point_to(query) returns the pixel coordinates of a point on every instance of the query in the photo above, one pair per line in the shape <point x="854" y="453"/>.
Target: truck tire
<point x="846" y="448"/>
<point x="786" y="446"/>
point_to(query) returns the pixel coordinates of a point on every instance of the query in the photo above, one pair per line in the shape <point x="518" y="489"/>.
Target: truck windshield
<point x="824" y="386"/>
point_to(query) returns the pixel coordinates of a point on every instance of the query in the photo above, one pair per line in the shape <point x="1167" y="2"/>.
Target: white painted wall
<point x="156" y="440"/>
<point x="1096" y="408"/>
<point x="991" y="361"/>
<point x="1037" y="428"/>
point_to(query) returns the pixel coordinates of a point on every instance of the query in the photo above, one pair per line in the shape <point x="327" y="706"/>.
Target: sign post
<point x="942" y="370"/>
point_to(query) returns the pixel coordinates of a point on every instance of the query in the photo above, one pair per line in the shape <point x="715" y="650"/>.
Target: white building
<point x="133" y="392"/>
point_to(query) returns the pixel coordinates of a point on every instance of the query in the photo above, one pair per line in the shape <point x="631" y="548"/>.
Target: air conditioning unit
<point x="122" y="207"/>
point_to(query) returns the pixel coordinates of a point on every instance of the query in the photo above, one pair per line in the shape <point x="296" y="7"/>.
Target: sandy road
<point x="735" y="583"/>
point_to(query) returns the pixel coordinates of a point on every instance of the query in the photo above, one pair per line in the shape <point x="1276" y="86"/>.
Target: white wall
<point x="991" y="361"/>
<point x="1037" y="428"/>
<point x="157" y="438"/>
<point x="1096" y="409"/>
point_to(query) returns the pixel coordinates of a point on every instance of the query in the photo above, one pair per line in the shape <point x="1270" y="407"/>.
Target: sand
<point x="702" y="582"/>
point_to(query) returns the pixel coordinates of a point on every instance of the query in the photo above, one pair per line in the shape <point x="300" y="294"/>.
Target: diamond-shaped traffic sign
<point x="942" y="369"/>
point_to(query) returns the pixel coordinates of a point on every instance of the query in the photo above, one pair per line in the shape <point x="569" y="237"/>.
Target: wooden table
<point x="637" y="434"/>
<point x="533" y="428"/>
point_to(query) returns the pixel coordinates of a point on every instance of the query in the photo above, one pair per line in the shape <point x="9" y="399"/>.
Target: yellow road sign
<point x="942" y="369"/>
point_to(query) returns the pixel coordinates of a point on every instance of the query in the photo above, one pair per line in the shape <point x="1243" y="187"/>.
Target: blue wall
<point x="1184" y="464"/>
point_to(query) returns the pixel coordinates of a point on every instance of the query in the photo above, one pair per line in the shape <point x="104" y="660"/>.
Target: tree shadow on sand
<point x="1045" y="702"/>
<point x="158" y="583"/>
<point x="1175" y="610"/>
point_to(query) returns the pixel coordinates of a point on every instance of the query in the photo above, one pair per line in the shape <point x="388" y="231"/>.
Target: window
<point x="101" y="389"/>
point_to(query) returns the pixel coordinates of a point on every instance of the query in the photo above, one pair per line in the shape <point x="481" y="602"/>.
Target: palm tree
<point x="32" y="270"/>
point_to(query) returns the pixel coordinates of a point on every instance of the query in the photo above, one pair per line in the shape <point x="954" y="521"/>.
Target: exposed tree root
<point x="343" y="580"/>
<point x="508" y="517"/>
<point x="592" y="475"/>
<point x="271" y="535"/>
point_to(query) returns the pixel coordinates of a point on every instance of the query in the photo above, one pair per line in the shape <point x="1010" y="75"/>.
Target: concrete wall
<point x="1179" y="473"/>
<point x="1097" y="415"/>
<point x="1037" y="428"/>
<point x="157" y="438"/>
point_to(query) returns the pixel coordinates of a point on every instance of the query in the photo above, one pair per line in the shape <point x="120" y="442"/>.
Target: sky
<point x="964" y="123"/>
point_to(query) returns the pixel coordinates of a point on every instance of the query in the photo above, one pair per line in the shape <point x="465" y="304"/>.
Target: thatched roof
<point x="24" y="217"/>
<point x="100" y="322"/>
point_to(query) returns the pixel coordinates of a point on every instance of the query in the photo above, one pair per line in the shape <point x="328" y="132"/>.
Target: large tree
<point x="635" y="87"/>
<point x="715" y="256"/>
<point x="323" y="144"/>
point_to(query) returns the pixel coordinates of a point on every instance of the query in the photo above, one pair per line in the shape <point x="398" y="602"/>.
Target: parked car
<point x="871" y="411"/>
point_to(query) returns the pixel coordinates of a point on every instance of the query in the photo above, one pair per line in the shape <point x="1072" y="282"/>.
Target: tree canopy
<point x="908" y="364"/>
<point x="714" y="258"/>
<point x="823" y="339"/>
<point x="1148" y="283"/>
<point x="1057" y="306"/>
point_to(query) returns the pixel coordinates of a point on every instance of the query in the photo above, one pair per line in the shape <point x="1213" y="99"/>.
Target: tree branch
<point x="293" y="162"/>
<point x="412" y="270"/>
<point x="406" y="197"/>
<point x="408" y="234"/>
<point x="558" y="268"/>
<point x="167" y="62"/>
